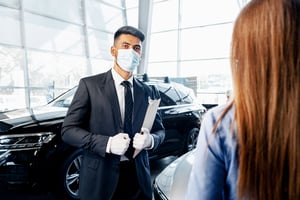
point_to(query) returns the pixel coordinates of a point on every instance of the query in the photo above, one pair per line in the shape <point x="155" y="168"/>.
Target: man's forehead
<point x="130" y="39"/>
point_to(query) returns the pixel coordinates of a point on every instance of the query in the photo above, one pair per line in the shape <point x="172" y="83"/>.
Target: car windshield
<point x="65" y="99"/>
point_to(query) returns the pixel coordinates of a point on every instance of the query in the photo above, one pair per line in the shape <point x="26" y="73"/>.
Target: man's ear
<point x="113" y="51"/>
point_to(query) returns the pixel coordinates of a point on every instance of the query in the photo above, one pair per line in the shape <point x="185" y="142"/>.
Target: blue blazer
<point x="93" y="116"/>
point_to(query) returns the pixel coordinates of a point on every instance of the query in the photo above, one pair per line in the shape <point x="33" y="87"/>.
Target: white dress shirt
<point x="121" y="97"/>
<point x="121" y="90"/>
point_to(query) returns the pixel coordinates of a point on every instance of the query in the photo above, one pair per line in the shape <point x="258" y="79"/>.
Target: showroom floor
<point x="27" y="194"/>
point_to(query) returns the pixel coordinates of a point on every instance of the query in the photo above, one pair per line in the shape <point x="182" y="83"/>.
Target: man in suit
<point x="95" y="122"/>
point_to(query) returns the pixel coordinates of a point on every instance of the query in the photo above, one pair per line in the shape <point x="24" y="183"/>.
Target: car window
<point x="65" y="99"/>
<point x="169" y="95"/>
<point x="166" y="100"/>
<point x="175" y="94"/>
<point x="65" y="102"/>
<point x="186" y="97"/>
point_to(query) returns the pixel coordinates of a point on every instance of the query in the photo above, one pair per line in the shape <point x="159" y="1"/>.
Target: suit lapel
<point x="140" y="102"/>
<point x="110" y="90"/>
<point x="138" y="93"/>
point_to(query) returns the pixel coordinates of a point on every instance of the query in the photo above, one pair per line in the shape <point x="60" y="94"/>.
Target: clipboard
<point x="149" y="117"/>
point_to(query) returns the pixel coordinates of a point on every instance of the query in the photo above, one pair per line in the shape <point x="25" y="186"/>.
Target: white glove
<point x="119" y="143"/>
<point x="142" y="140"/>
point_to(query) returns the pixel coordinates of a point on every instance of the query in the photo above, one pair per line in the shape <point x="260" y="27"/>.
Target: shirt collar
<point x="118" y="79"/>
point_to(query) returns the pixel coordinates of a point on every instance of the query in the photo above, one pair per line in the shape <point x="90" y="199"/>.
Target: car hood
<point x="14" y="118"/>
<point x="173" y="180"/>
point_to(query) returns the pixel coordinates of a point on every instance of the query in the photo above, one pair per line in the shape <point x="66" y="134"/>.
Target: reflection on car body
<point x="31" y="149"/>
<point x="172" y="182"/>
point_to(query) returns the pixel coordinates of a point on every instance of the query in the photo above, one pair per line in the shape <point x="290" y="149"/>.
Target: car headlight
<point x="21" y="143"/>
<point x="25" y="141"/>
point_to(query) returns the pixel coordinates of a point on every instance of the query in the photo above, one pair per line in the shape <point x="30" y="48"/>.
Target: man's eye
<point x="137" y="48"/>
<point x="126" y="46"/>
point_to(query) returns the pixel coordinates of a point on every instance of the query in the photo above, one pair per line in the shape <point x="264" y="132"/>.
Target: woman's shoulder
<point x="215" y="113"/>
<point x="220" y="133"/>
<point x="218" y="121"/>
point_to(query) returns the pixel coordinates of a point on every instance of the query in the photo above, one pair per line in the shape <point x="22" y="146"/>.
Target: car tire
<point x="191" y="139"/>
<point x="69" y="175"/>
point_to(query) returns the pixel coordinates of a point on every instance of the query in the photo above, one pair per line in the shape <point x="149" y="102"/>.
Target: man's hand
<point x="119" y="143"/>
<point x="142" y="140"/>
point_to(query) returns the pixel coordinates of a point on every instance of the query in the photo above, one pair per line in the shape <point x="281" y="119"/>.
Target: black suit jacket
<point x="94" y="116"/>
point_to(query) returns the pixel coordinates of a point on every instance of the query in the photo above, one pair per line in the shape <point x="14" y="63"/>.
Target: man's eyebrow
<point x="134" y="45"/>
<point x="137" y="45"/>
<point x="126" y="43"/>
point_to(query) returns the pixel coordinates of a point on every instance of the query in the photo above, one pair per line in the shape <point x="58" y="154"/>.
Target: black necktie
<point x="128" y="116"/>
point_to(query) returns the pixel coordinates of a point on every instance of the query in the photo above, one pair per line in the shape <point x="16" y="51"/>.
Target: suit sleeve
<point x="75" y="129"/>
<point x="157" y="131"/>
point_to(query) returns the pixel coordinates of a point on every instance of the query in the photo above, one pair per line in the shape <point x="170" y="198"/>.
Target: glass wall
<point x="192" y="38"/>
<point x="47" y="46"/>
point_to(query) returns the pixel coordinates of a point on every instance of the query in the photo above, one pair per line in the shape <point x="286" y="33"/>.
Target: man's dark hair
<point x="131" y="31"/>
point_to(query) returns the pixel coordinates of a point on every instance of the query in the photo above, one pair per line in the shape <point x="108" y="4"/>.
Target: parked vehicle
<point x="31" y="149"/>
<point x="172" y="182"/>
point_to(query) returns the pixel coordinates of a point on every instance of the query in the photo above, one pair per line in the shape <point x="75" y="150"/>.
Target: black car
<point x="32" y="152"/>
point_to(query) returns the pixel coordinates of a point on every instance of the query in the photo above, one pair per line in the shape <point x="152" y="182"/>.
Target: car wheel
<point x="191" y="140"/>
<point x="69" y="175"/>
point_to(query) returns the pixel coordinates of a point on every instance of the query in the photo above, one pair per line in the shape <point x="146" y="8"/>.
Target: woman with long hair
<point x="250" y="148"/>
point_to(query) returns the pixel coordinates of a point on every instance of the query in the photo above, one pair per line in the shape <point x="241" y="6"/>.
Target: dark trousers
<point x="128" y="187"/>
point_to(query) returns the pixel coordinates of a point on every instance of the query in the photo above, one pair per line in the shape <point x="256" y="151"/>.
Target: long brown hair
<point x="265" y="64"/>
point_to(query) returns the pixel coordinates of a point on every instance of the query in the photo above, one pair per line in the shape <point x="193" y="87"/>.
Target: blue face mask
<point x="128" y="59"/>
